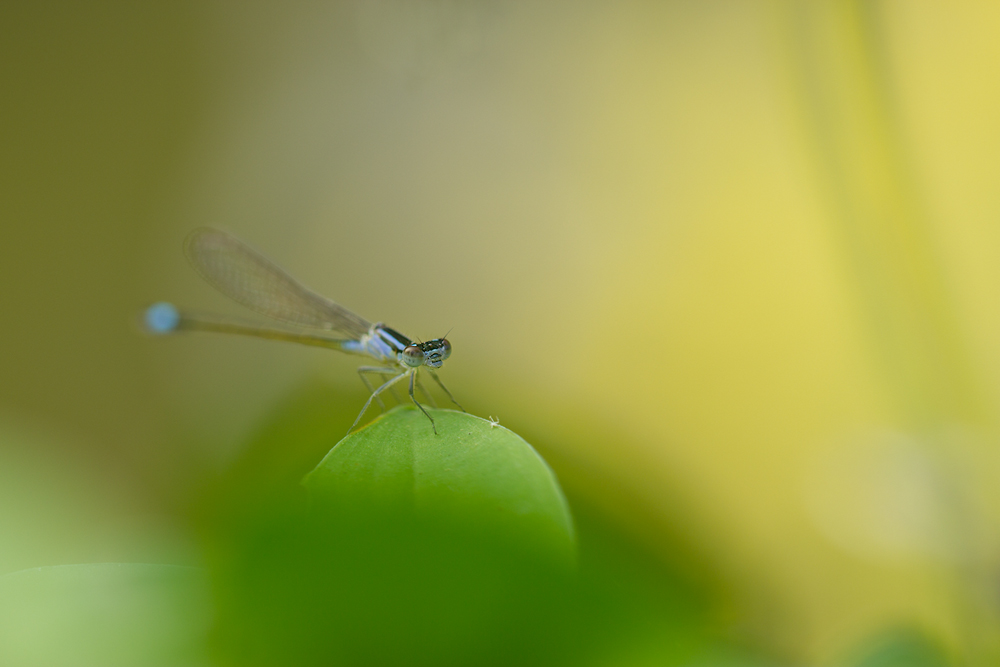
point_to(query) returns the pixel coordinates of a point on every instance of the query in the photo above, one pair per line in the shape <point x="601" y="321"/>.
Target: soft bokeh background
<point x="732" y="266"/>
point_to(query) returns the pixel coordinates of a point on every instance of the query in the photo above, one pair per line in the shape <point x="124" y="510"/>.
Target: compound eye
<point x="445" y="349"/>
<point x="413" y="356"/>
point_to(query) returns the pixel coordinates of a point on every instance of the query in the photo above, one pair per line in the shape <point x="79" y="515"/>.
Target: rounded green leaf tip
<point x="472" y="474"/>
<point x="404" y="547"/>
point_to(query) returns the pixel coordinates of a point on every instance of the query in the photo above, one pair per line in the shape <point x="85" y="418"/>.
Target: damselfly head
<point x="413" y="356"/>
<point x="435" y="351"/>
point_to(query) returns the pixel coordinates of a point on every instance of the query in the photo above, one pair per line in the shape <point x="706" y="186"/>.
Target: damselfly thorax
<point x="249" y="278"/>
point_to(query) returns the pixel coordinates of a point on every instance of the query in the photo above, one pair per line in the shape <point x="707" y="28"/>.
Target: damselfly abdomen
<point x="251" y="279"/>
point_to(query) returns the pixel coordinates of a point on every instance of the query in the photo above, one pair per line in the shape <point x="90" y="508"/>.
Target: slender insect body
<point x="254" y="281"/>
<point x="391" y="340"/>
<point x="380" y="342"/>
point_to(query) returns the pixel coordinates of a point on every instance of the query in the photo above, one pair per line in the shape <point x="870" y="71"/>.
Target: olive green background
<point x="731" y="267"/>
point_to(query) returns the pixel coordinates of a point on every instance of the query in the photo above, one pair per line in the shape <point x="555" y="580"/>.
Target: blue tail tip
<point x="162" y="318"/>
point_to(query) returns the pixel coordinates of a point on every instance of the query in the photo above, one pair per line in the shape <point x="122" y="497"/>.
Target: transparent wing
<point x="249" y="278"/>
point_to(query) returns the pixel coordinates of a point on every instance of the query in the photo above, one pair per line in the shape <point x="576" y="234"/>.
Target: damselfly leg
<point x="445" y="389"/>
<point x="382" y="372"/>
<point x="413" y="375"/>
<point x="427" y="394"/>
<point x="375" y="394"/>
<point x="390" y="385"/>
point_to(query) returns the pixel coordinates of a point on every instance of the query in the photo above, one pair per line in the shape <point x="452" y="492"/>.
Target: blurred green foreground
<point x="400" y="547"/>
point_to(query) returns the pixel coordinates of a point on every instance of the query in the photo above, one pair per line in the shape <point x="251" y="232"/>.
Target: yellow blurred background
<point x="735" y="264"/>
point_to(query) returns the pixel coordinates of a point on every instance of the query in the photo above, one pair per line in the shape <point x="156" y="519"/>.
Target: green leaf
<point x="405" y="547"/>
<point x="472" y="473"/>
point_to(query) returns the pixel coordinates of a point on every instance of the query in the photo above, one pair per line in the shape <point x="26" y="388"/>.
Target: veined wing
<point x="249" y="278"/>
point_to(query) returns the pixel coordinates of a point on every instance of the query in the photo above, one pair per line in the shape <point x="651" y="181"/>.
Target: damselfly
<point x="247" y="277"/>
